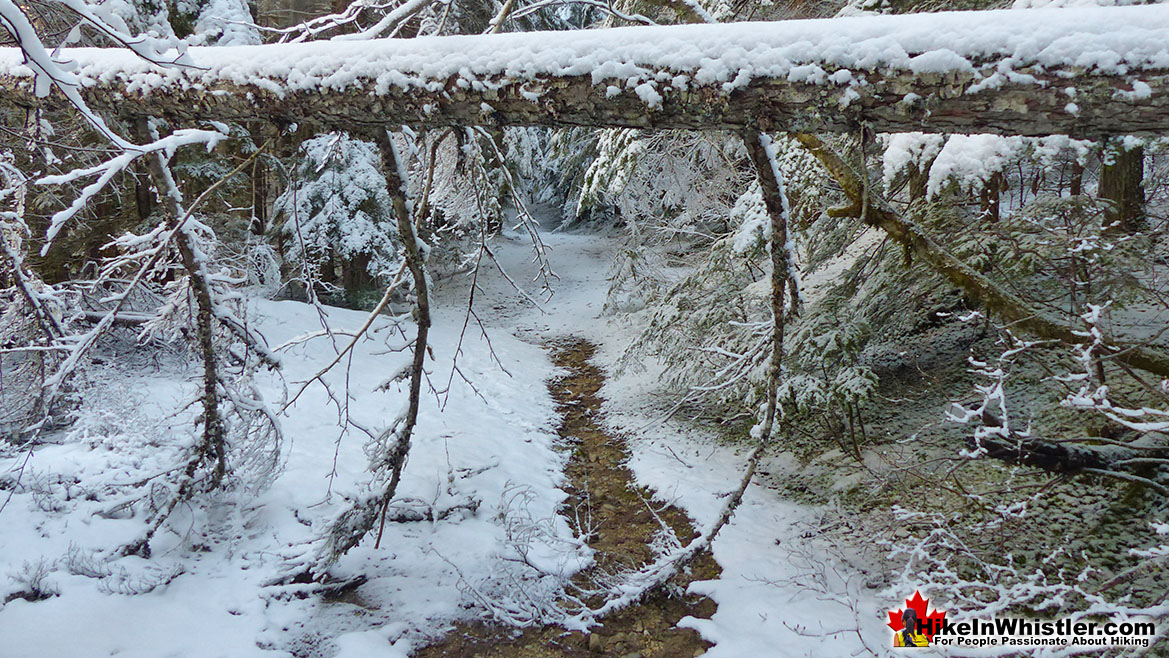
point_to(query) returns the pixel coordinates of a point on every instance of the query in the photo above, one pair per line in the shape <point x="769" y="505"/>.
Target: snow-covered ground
<point x="496" y="450"/>
<point x="779" y="594"/>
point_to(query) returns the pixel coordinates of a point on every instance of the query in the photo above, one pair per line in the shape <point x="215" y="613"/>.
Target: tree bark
<point x="396" y="180"/>
<point x="758" y="148"/>
<point x="143" y="200"/>
<point x="214" y="431"/>
<point x="1122" y="175"/>
<point x="355" y="274"/>
<point x="513" y="81"/>
<point x="259" y="223"/>
<point x="1048" y="456"/>
<point x="989" y="198"/>
<point x="1076" y="187"/>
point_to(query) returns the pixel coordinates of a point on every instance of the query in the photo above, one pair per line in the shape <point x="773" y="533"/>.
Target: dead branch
<point x="214" y="430"/>
<point x="397" y="181"/>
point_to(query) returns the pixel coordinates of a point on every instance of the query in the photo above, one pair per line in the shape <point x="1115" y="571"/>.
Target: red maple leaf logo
<point x="930" y="623"/>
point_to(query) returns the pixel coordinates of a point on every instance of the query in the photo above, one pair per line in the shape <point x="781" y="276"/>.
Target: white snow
<point x="781" y="593"/>
<point x="226" y="23"/>
<point x="499" y="450"/>
<point x="904" y="149"/>
<point x="750" y="213"/>
<point x="971" y="160"/>
<point x="653" y="60"/>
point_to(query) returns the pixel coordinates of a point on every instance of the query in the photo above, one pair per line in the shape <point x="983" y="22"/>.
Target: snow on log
<point x="1082" y="72"/>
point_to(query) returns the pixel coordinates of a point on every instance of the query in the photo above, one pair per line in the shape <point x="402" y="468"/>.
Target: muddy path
<point x="624" y="521"/>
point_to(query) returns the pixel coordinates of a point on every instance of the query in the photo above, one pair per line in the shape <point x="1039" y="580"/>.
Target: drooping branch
<point x="214" y="442"/>
<point x="389" y="450"/>
<point x="396" y="179"/>
<point x="995" y="298"/>
<point x="50" y="326"/>
<point x="762" y="155"/>
<point x="893" y="73"/>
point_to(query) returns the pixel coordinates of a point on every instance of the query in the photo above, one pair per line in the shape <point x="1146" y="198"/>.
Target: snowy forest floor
<point x="622" y="524"/>
<point x="489" y="487"/>
<point x="782" y="590"/>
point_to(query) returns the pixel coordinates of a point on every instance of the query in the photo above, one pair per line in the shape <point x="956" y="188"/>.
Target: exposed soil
<point x="602" y="493"/>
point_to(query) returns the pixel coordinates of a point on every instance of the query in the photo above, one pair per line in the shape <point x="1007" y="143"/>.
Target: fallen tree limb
<point x="396" y="178"/>
<point x="1072" y="458"/>
<point x="125" y="319"/>
<point x="762" y="154"/>
<point x="213" y="446"/>
<point x="994" y="298"/>
<point x="892" y="73"/>
<point x="1048" y="455"/>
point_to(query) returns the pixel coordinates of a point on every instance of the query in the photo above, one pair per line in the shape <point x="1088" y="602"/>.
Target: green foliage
<point x="826" y="386"/>
<point x="700" y="321"/>
<point x="1064" y="251"/>
<point x="619" y="151"/>
<point x="338" y="214"/>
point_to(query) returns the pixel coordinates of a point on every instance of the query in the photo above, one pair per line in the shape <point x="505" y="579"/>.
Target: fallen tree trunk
<point x="1047" y="455"/>
<point x="996" y="299"/>
<point x="1072" y="458"/>
<point x="1083" y="72"/>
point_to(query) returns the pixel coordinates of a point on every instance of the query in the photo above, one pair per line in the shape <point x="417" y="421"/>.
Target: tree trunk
<point x="1077" y="184"/>
<point x="919" y="178"/>
<point x="664" y="79"/>
<point x="143" y="199"/>
<point x="1122" y="175"/>
<point x="396" y="180"/>
<point x="214" y="432"/>
<point x="355" y="274"/>
<point x="989" y="198"/>
<point x="259" y="223"/>
<point x="758" y="148"/>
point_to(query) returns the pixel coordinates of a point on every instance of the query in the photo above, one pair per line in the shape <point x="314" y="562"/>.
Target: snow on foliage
<point x="226" y="23"/>
<point x="750" y="213"/>
<point x="135" y="17"/>
<point x="905" y="149"/>
<point x="338" y="206"/>
<point x="970" y="160"/>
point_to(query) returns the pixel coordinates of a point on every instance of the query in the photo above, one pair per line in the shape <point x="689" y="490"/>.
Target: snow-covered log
<point x="1084" y="72"/>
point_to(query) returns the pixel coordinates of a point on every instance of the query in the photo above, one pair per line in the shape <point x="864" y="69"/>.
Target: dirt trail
<point x="601" y="487"/>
